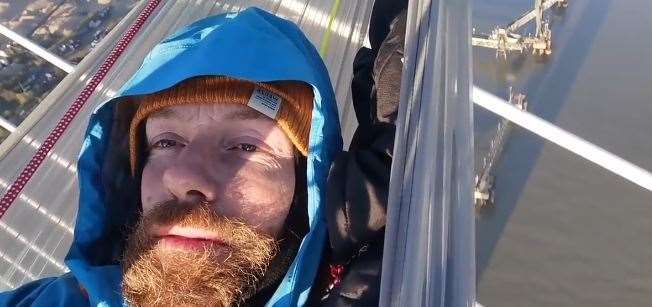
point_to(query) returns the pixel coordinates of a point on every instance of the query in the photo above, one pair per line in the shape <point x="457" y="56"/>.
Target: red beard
<point x="215" y="275"/>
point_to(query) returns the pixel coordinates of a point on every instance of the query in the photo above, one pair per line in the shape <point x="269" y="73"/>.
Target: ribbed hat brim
<point x="294" y="115"/>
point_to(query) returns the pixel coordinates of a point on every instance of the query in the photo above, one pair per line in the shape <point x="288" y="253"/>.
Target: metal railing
<point x="565" y="139"/>
<point x="429" y="252"/>
<point x="37" y="50"/>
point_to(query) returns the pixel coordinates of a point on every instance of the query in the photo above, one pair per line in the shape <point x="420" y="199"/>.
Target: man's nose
<point x="189" y="181"/>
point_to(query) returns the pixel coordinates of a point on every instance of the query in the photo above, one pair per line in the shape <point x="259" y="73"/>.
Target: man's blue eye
<point x="165" y="144"/>
<point x="246" y="147"/>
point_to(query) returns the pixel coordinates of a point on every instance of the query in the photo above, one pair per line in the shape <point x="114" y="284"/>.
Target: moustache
<point x="199" y="216"/>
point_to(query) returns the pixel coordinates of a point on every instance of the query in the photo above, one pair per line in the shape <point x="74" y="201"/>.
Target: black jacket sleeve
<point x="358" y="183"/>
<point x="356" y="207"/>
<point x="357" y="192"/>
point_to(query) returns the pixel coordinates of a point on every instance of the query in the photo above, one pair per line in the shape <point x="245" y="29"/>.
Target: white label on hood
<point x="265" y="102"/>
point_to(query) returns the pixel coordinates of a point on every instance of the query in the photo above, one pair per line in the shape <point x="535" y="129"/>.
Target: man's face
<point x="216" y="189"/>
<point x="227" y="154"/>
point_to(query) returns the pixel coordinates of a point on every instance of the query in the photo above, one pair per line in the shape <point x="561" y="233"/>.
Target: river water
<point x="564" y="232"/>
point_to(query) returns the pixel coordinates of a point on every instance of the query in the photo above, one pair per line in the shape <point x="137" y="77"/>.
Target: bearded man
<point x="202" y="183"/>
<point x="222" y="190"/>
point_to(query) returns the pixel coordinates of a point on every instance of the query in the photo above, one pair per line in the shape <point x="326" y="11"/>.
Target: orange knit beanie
<point x="288" y="102"/>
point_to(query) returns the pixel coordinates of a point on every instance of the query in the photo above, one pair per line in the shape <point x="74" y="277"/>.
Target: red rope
<point x="45" y="148"/>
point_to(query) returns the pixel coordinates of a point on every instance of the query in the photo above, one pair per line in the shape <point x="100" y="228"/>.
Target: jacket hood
<point x="250" y="45"/>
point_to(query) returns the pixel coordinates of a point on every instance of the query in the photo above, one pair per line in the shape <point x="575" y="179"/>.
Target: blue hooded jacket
<point x="251" y="45"/>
